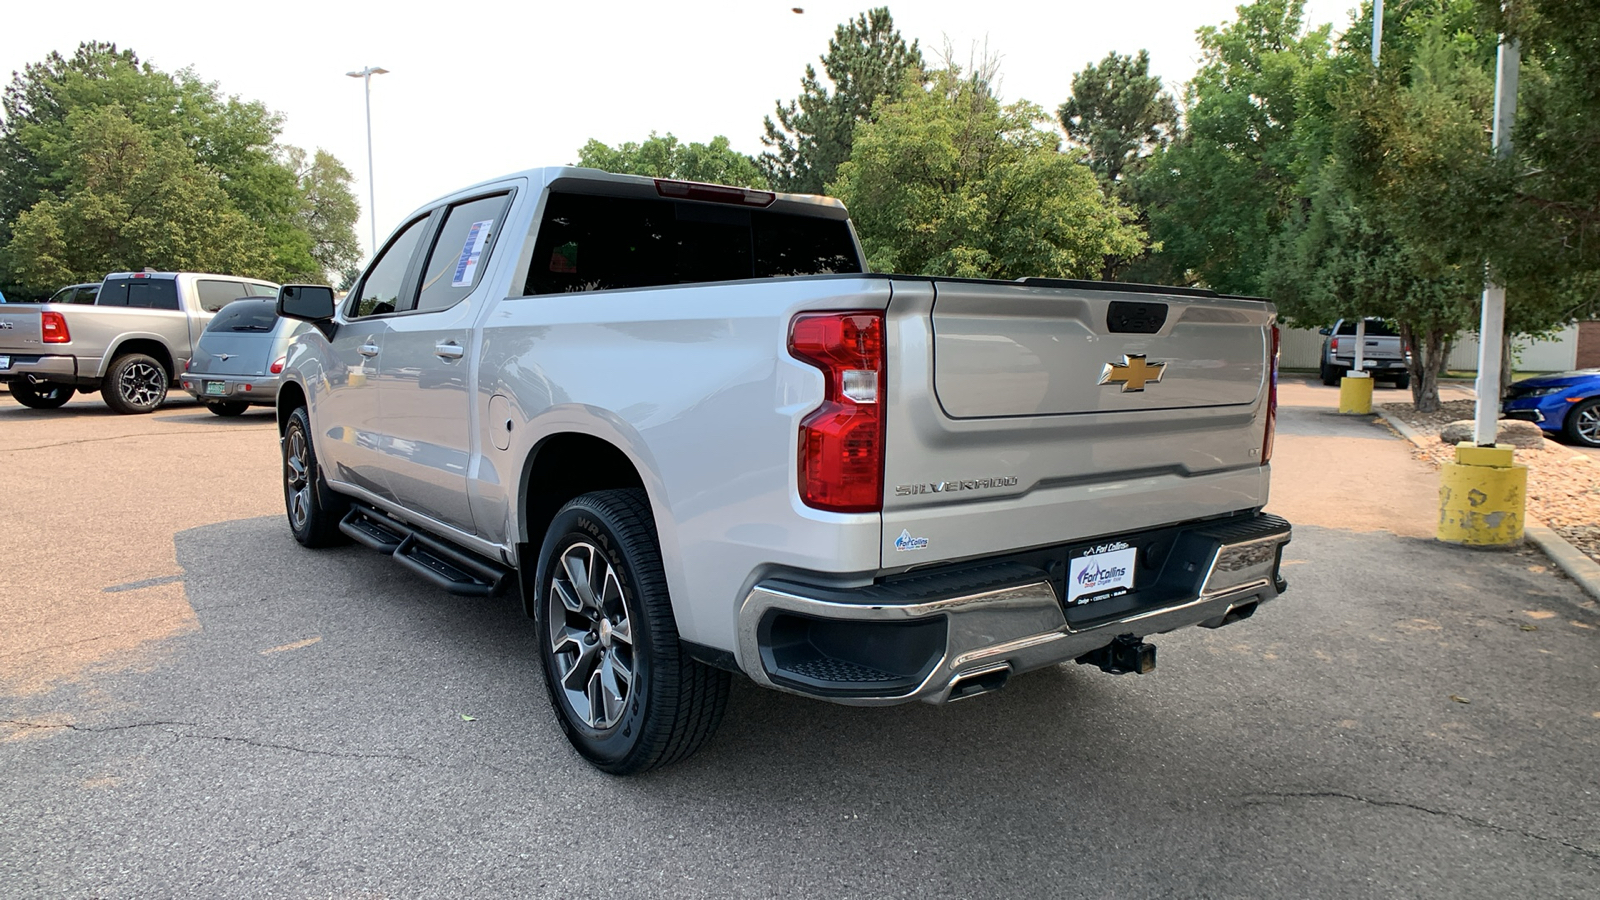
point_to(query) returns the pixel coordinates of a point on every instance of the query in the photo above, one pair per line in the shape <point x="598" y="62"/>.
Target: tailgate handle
<point x="447" y="350"/>
<point x="1130" y="317"/>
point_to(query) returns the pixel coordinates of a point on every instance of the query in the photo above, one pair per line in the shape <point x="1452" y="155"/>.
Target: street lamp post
<point x="372" y="194"/>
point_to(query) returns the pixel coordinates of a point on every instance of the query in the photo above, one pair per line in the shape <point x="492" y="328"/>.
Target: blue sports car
<point x="1568" y="404"/>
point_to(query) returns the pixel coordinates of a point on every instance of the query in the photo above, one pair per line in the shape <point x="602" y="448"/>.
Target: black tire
<point x="1403" y="382"/>
<point x="314" y="511"/>
<point x="45" y="395"/>
<point x="228" y="409"/>
<point x="1330" y="375"/>
<point x="672" y="703"/>
<point x="135" y="384"/>
<point x="1583" y="423"/>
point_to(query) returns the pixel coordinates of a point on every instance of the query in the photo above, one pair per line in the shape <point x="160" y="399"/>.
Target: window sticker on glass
<point x="471" y="250"/>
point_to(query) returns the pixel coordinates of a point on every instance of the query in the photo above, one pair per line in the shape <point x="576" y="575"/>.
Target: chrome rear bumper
<point x="922" y="639"/>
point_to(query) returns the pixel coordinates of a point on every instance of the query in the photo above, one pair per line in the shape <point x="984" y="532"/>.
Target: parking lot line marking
<point x="294" y="646"/>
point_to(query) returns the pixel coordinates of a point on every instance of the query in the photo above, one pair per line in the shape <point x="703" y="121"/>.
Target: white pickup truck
<point x="703" y="440"/>
<point x="129" y="344"/>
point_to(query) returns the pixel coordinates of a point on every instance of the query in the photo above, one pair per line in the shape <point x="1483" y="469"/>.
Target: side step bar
<point x="456" y="570"/>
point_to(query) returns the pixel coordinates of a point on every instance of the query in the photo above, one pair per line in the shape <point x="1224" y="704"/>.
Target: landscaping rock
<point x="1517" y="433"/>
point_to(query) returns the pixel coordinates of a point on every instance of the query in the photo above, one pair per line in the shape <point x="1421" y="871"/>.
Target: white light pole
<point x="372" y="194"/>
<point x="1491" y="329"/>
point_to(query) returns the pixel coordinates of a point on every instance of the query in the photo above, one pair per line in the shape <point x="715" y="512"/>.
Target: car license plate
<point x="5" y="362"/>
<point x="216" y="388"/>
<point x="1100" y="572"/>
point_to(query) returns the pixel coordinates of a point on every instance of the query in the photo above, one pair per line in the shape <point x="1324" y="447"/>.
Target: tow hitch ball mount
<point x="1128" y="653"/>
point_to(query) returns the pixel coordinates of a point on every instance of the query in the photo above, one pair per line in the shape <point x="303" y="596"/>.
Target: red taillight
<point x="186" y="364"/>
<point x="53" y="328"/>
<point x="1336" y="345"/>
<point x="841" y="443"/>
<point x="277" y="365"/>
<point x="1272" y="402"/>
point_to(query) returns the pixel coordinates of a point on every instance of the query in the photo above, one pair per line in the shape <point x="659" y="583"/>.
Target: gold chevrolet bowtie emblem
<point x="1133" y="374"/>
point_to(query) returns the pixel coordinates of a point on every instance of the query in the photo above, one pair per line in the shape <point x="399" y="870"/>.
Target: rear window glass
<point x="246" y="316"/>
<point x="214" y="295"/>
<point x="262" y="290"/>
<point x="1375" y="328"/>
<point x="598" y="243"/>
<point x="144" y="293"/>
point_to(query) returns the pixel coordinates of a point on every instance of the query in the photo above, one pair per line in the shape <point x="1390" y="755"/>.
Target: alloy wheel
<point x="296" y="468"/>
<point x="591" y="636"/>
<point x="141" y="384"/>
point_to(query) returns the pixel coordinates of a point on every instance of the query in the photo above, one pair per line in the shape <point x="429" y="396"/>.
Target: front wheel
<point x="135" y="383"/>
<point x="626" y="695"/>
<point x="1583" y="423"/>
<point x="43" y="395"/>
<point x="314" y="511"/>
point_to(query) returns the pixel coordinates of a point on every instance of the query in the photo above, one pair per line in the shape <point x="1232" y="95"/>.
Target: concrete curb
<point x="1571" y="560"/>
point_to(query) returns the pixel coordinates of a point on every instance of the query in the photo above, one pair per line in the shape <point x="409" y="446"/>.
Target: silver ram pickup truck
<point x="702" y="440"/>
<point x="130" y="344"/>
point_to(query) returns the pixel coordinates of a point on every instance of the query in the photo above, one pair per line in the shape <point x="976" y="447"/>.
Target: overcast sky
<point x="478" y="90"/>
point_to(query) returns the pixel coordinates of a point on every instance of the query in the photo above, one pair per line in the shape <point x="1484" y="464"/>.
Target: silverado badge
<point x="1133" y="373"/>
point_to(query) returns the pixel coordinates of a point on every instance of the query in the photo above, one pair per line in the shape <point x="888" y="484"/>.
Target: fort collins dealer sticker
<point x="1100" y="572"/>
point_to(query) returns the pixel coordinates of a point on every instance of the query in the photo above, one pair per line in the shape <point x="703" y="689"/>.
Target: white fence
<point x="1300" y="349"/>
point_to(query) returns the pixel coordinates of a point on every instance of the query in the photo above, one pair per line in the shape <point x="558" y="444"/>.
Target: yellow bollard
<point x="1482" y="497"/>
<point x="1355" y="394"/>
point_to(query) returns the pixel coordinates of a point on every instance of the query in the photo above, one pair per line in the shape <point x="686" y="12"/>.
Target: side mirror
<point x="1324" y="331"/>
<point x="307" y="302"/>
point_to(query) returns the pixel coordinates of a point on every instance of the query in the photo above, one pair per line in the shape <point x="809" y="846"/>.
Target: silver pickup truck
<point x="129" y="344"/>
<point x="703" y="440"/>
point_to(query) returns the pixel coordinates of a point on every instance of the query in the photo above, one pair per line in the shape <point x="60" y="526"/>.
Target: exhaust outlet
<point x="982" y="681"/>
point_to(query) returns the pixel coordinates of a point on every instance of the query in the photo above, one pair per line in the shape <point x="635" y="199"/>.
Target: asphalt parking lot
<point x="191" y="705"/>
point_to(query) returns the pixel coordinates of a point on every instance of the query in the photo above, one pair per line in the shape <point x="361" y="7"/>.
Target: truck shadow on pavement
<point x="1405" y="712"/>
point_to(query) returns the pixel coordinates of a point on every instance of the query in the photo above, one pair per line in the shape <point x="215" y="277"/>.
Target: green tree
<point x="667" y="157"/>
<point x="229" y="140"/>
<point x="1218" y="197"/>
<point x="131" y="198"/>
<point x="947" y="181"/>
<point x="328" y="209"/>
<point x="867" y="59"/>
<point x="1118" y="114"/>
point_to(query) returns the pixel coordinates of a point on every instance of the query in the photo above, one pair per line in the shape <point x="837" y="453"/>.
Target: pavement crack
<point x="334" y="754"/>
<point x="1441" y="813"/>
<point x="90" y="729"/>
<point x="223" y="738"/>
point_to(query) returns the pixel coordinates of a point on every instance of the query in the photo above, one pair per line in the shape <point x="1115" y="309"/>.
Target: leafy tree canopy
<point x="866" y="60"/>
<point x="55" y="109"/>
<point x="1118" y="114"/>
<point x="666" y="157"/>
<point x="947" y="181"/>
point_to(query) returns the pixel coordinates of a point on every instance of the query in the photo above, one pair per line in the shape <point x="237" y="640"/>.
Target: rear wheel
<point x="1330" y="375"/>
<point x="229" y="409"/>
<point x="314" y="511"/>
<point x="625" y="693"/>
<point x="136" y="383"/>
<point x="1583" y="423"/>
<point x="1404" y="381"/>
<point x="41" y="395"/>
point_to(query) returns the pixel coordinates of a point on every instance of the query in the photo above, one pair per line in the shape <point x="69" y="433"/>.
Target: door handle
<point x="368" y="349"/>
<point x="448" y="350"/>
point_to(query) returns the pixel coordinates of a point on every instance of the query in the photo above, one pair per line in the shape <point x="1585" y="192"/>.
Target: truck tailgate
<point x="19" y="327"/>
<point x="1022" y="415"/>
